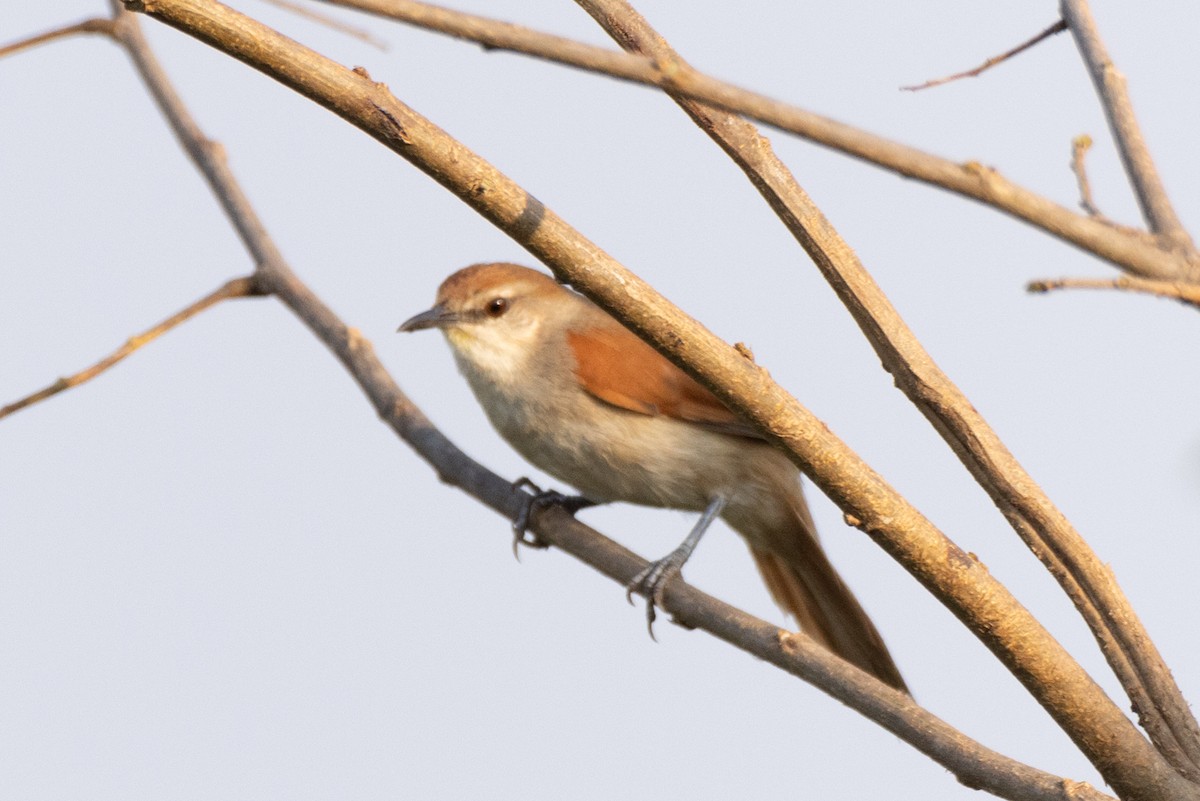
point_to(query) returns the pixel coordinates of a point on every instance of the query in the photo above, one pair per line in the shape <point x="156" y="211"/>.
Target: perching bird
<point x="590" y="403"/>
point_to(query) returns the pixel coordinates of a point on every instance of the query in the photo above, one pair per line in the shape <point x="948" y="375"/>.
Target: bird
<point x="585" y="400"/>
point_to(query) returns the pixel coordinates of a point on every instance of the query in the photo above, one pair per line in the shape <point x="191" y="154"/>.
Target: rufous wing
<point x="614" y="366"/>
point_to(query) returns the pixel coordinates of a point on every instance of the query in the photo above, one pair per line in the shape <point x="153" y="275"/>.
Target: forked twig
<point x="1110" y="85"/>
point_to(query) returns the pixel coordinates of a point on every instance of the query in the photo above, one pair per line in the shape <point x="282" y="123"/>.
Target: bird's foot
<point x="652" y="583"/>
<point x="537" y="499"/>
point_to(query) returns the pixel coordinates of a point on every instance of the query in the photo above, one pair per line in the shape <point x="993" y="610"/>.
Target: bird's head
<point x="495" y="315"/>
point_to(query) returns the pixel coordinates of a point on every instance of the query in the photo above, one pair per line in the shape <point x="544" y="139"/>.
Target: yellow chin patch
<point x="458" y="337"/>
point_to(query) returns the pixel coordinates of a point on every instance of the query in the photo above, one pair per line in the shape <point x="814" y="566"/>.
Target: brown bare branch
<point x="236" y="288"/>
<point x="209" y="156"/>
<point x="1188" y="294"/>
<point x="1138" y="254"/>
<point x="99" y="25"/>
<point x="1103" y="732"/>
<point x="974" y="765"/>
<point x="1057" y="27"/>
<point x="1046" y="531"/>
<point x="1110" y="85"/>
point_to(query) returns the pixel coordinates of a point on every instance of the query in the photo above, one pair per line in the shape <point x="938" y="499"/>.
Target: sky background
<point x="221" y="577"/>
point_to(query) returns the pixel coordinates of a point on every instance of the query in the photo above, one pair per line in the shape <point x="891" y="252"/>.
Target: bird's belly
<point x="611" y="454"/>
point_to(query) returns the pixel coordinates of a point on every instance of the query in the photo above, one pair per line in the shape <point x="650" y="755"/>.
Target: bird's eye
<point x="496" y="307"/>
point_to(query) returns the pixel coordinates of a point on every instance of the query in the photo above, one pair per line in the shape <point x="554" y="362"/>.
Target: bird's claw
<point x="520" y="523"/>
<point x="536" y="499"/>
<point x="529" y="540"/>
<point x="652" y="583"/>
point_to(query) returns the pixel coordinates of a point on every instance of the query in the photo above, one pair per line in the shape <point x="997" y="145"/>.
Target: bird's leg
<point x="652" y="582"/>
<point x="538" y="499"/>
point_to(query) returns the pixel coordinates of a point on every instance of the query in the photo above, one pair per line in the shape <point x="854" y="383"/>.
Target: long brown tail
<point x="804" y="582"/>
<point x="827" y="611"/>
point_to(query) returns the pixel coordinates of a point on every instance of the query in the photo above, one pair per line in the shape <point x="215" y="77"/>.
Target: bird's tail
<point x="828" y="612"/>
<point x="804" y="583"/>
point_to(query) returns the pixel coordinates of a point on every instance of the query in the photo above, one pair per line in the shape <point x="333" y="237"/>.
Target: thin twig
<point x="1110" y="85"/>
<point x="1130" y="251"/>
<point x="1057" y="27"/>
<point x="331" y="23"/>
<point x="98" y="25"/>
<point x="1188" y="294"/>
<point x="974" y="764"/>
<point x="236" y="288"/>
<point x="1079" y="148"/>
<point x="1100" y="728"/>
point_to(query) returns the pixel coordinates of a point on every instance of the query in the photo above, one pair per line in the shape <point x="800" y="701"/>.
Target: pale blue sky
<point x="222" y="578"/>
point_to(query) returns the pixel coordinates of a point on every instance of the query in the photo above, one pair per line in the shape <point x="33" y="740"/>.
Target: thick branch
<point x="1135" y="155"/>
<point x="954" y="576"/>
<point x="1126" y="249"/>
<point x="973" y="764"/>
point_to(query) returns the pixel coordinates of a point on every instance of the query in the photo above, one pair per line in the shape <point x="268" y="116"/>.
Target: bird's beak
<point x="437" y="317"/>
